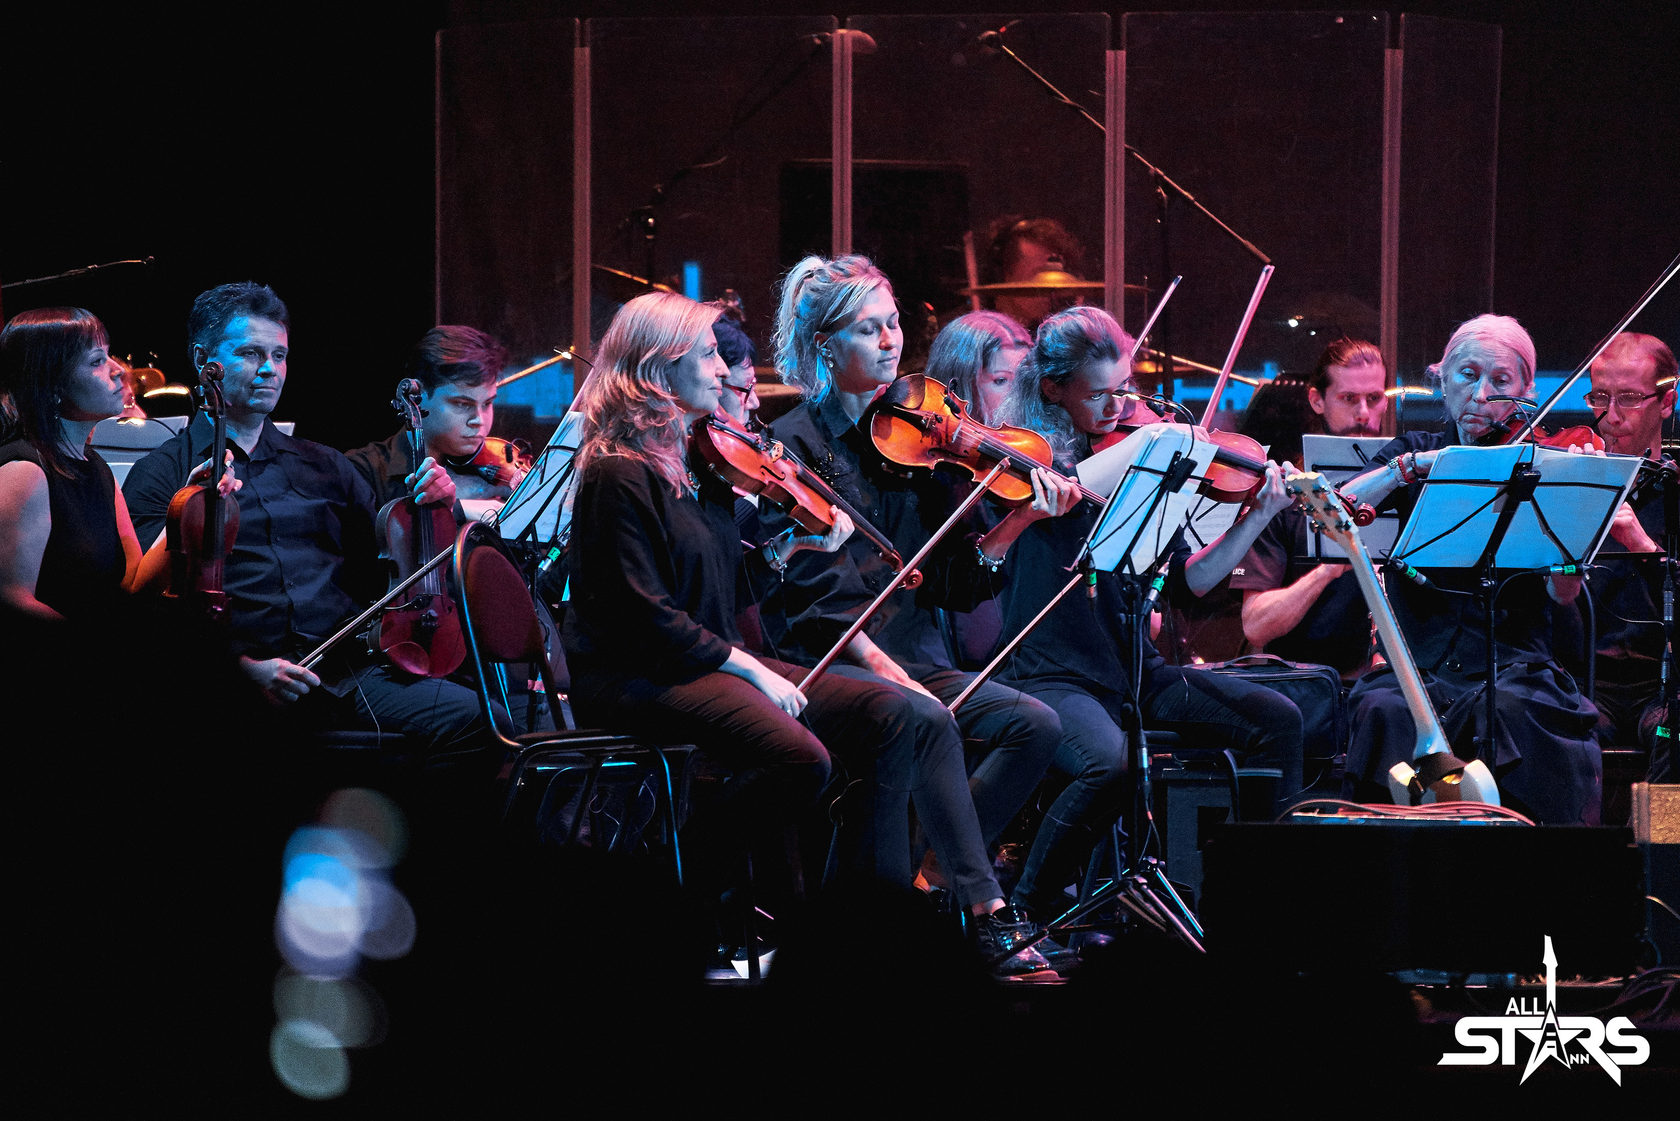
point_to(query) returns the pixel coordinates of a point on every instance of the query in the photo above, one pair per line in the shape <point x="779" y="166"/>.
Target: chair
<point x="505" y="624"/>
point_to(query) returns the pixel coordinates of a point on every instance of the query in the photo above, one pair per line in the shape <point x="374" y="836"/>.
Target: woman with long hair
<point x="1073" y="388"/>
<point x="658" y="568"/>
<point x="976" y="355"/>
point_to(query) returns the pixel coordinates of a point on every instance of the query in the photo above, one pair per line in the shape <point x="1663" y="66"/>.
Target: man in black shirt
<point x="303" y="560"/>
<point x="1292" y="607"/>
<point x="1632" y="394"/>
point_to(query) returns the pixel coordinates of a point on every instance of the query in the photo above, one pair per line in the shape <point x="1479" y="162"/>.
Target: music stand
<point x="1154" y="490"/>
<point x="539" y="511"/>
<point x="1338" y="459"/>
<point x="1519" y="508"/>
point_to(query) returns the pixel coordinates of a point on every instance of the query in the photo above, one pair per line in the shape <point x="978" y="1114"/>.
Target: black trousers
<point x="888" y="751"/>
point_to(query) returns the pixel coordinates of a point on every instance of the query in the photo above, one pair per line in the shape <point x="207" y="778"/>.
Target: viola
<point x="421" y="634"/>
<point x="753" y="463"/>
<point x="201" y="524"/>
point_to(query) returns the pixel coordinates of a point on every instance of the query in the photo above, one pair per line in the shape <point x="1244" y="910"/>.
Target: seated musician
<point x="1632" y="394"/>
<point x="657" y="568"/>
<point x="303" y="560"/>
<point x="67" y="545"/>
<point x="1544" y="756"/>
<point x="457" y="368"/>
<point x="1292" y="607"/>
<point x="838" y="339"/>
<point x="976" y="355"/>
<point x="1073" y="389"/>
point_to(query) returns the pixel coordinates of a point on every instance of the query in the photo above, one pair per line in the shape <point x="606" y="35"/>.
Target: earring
<point x="827" y="355"/>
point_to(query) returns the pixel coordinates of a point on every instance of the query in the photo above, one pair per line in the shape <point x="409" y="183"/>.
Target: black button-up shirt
<point x="304" y="557"/>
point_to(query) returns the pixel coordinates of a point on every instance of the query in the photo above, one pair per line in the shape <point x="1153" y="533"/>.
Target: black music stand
<point x="1516" y="508"/>
<point x="1151" y="501"/>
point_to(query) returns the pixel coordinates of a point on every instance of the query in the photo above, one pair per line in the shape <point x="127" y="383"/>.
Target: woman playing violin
<point x="839" y="340"/>
<point x="1073" y="389"/>
<point x="657" y="571"/>
<point x="976" y="355"/>
<point x="457" y="368"/>
<point x="1544" y="755"/>
<point x="67" y="544"/>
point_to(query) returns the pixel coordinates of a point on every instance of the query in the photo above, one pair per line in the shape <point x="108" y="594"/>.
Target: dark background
<point x="294" y="145"/>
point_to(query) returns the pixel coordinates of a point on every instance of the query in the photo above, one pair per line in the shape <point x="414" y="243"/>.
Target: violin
<point x="500" y="462"/>
<point x="1502" y="432"/>
<point x="753" y="463"/>
<point x="421" y="635"/>
<point x="201" y="525"/>
<point x="918" y="422"/>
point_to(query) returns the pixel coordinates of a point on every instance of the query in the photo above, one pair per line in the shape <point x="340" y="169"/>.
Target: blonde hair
<point x="960" y="351"/>
<point x="628" y="405"/>
<point x="819" y="296"/>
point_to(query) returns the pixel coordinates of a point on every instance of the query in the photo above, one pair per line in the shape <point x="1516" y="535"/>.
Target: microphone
<point x="1166" y="403"/>
<point x="1401" y="568"/>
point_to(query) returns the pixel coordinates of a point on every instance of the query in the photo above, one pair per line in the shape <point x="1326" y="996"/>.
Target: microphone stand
<point x="1162" y="180"/>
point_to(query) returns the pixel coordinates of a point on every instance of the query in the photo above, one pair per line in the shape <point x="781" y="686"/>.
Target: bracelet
<point x="1406" y="465"/>
<point x="773" y="556"/>
<point x="993" y="563"/>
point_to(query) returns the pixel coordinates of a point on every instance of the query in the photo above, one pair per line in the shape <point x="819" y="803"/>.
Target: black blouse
<point x="655" y="576"/>
<point x="83" y="566"/>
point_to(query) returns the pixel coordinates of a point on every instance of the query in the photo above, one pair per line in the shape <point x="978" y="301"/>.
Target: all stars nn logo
<point x="1571" y="1041"/>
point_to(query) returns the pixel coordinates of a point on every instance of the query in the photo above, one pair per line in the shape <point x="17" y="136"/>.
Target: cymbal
<point x="1051" y="280"/>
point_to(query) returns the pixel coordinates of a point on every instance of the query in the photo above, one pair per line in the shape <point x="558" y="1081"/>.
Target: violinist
<point x="457" y="368"/>
<point x="304" y="557"/>
<point x="658" y="568"/>
<point x="838" y="339"/>
<point x="740" y="381"/>
<point x="1544" y="756"/>
<point x="1292" y="607"/>
<point x="976" y="355"/>
<point x="1074" y="388"/>
<point x="67" y="545"/>
<point x="1632" y="395"/>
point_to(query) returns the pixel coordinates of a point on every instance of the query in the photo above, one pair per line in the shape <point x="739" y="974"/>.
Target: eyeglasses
<point x="1599" y="401"/>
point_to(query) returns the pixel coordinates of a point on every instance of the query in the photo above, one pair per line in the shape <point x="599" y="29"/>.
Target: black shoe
<point x="1004" y="940"/>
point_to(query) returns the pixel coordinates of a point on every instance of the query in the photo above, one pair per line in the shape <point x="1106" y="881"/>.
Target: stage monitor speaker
<point x="1655" y="818"/>
<point x="1399" y="895"/>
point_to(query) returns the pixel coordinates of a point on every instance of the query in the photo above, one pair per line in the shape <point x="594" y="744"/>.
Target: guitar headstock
<point x="1324" y="506"/>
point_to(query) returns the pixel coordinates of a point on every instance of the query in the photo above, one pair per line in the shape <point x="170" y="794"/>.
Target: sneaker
<point x="1003" y="938"/>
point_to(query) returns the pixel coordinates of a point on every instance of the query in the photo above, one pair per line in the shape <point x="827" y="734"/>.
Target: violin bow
<point x="1539" y="414"/>
<point x="1236" y="345"/>
<point x="1149" y="324"/>
<point x="911" y="566"/>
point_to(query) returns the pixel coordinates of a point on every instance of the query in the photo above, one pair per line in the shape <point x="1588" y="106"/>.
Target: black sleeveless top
<point x="82" y="568"/>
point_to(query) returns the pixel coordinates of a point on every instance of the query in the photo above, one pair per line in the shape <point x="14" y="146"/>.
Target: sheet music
<point x="1130" y="473"/>
<point x="1338" y="459"/>
<point x="541" y="506"/>
<point x="1462" y="498"/>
